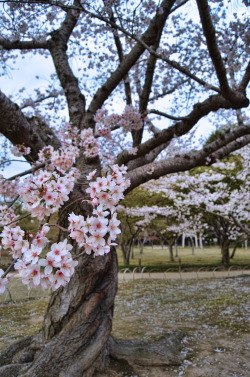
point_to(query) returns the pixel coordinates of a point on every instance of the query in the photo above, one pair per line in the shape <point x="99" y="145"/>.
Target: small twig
<point x="74" y="201"/>
<point x="9" y="161"/>
<point x="60" y="227"/>
<point x="14" y="200"/>
<point x="153" y="111"/>
<point x="15" y="221"/>
<point x="9" y="268"/>
<point x="32" y="170"/>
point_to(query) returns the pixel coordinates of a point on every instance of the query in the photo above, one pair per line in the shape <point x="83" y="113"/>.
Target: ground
<point x="213" y="313"/>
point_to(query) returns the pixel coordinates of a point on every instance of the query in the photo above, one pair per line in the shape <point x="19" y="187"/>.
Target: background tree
<point x="217" y="197"/>
<point x="126" y="51"/>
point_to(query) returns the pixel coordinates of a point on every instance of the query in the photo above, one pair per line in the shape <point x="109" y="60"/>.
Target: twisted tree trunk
<point x="76" y="328"/>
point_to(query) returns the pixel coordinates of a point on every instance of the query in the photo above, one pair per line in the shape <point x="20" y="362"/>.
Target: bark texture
<point x="225" y="251"/>
<point x="77" y="326"/>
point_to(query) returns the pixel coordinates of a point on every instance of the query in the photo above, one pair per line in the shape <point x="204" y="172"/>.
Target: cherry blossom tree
<point x="217" y="197"/>
<point x="133" y="221"/>
<point x="157" y="60"/>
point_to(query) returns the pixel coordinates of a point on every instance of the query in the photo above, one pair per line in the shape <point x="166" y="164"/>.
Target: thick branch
<point x="19" y="129"/>
<point x="69" y="83"/>
<point x="148" y="37"/>
<point x="23" y="45"/>
<point x="150" y="157"/>
<point x="213" y="103"/>
<point x="228" y="143"/>
<point x="210" y="35"/>
<point x="245" y="79"/>
<point x="121" y="57"/>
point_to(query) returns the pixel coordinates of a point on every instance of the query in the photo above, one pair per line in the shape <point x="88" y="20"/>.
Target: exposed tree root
<point x="22" y="357"/>
<point x="165" y="351"/>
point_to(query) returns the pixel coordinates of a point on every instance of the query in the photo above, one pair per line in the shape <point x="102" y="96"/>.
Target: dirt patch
<point x="214" y="314"/>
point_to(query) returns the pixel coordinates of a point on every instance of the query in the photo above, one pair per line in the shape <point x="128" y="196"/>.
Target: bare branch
<point x="210" y="35"/>
<point x="150" y="157"/>
<point x="58" y="49"/>
<point x="170" y="91"/>
<point x="30" y="171"/>
<point x="213" y="103"/>
<point x="153" y="111"/>
<point x="28" y="102"/>
<point x="16" y="221"/>
<point x="9" y="268"/>
<point x="23" y="45"/>
<point x="214" y="151"/>
<point x="147" y="39"/>
<point x="121" y="57"/>
<point x="245" y="79"/>
<point x="19" y="129"/>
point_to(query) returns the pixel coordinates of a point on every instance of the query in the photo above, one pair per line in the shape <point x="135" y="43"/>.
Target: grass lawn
<point x="158" y="258"/>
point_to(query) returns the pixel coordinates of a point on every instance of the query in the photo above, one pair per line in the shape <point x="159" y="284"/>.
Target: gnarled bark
<point x="76" y="328"/>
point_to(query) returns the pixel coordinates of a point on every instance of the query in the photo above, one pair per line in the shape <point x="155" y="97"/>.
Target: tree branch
<point x="170" y="91"/>
<point x="153" y="111"/>
<point x="148" y="38"/>
<point x="150" y="157"/>
<point x="213" y="103"/>
<point x="121" y="57"/>
<point x="245" y="79"/>
<point x="244" y="228"/>
<point x="29" y="171"/>
<point x="19" y="129"/>
<point x="210" y="35"/>
<point x="216" y="150"/>
<point x="23" y="45"/>
<point x="58" y="47"/>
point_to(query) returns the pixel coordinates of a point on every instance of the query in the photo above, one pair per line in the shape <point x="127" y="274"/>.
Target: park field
<point x="158" y="258"/>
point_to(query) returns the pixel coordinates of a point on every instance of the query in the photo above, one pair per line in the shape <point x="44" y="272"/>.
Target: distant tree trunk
<point x="201" y="243"/>
<point x="176" y="248"/>
<point x="192" y="244"/>
<point x="126" y="252"/>
<point x="225" y="251"/>
<point x="171" y="251"/>
<point x="132" y="251"/>
<point x="234" y="250"/>
<point x="141" y="244"/>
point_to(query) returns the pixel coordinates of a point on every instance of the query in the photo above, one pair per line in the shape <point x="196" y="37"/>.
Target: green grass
<point x="158" y="259"/>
